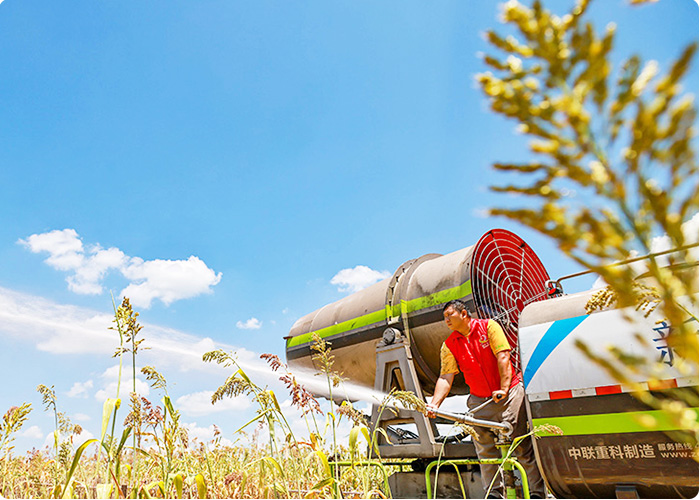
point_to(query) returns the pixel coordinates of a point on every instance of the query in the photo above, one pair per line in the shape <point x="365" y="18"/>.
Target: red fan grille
<point x="506" y="275"/>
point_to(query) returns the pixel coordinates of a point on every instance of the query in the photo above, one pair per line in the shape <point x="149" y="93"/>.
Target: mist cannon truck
<point x="388" y="336"/>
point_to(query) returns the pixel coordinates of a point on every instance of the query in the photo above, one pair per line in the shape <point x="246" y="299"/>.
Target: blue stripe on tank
<point x="557" y="332"/>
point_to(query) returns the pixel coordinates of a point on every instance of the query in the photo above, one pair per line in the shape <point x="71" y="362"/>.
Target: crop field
<point x="148" y="454"/>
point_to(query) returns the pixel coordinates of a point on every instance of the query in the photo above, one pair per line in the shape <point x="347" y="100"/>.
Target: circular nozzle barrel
<point x="496" y="277"/>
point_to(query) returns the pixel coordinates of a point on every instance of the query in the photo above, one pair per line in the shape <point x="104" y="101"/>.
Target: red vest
<point x="477" y="361"/>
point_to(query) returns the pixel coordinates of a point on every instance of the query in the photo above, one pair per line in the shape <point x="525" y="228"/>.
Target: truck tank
<point x="608" y="447"/>
<point x="497" y="277"/>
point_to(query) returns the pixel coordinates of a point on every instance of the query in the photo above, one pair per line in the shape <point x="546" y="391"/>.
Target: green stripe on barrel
<point x="409" y="306"/>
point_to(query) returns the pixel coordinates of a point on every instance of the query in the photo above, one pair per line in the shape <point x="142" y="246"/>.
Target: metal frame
<point x="396" y="370"/>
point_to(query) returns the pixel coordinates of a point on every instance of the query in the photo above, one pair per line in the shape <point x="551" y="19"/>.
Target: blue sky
<point x="223" y="161"/>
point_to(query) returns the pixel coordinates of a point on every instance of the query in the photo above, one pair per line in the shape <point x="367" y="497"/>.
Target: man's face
<point x="456" y="320"/>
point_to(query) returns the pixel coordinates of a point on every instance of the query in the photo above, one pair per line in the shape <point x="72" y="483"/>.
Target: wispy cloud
<point x="251" y="324"/>
<point x="356" y="278"/>
<point x="111" y="383"/>
<point x="64" y="329"/>
<point x="199" y="403"/>
<point x="53" y="327"/>
<point x="33" y="432"/>
<point x="164" y="280"/>
<point x="80" y="389"/>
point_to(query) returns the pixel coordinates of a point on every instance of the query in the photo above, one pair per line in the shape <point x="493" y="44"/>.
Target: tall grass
<point x="148" y="454"/>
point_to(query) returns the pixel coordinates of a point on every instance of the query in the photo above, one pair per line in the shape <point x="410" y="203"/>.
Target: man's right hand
<point x="430" y="410"/>
<point x="498" y="396"/>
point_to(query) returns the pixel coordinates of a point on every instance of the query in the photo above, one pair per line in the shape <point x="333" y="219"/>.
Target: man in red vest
<point x="479" y="349"/>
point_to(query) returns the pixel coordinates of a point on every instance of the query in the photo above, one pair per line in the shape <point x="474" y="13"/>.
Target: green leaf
<point x="178" y="484"/>
<point x="280" y="490"/>
<point x="365" y="433"/>
<point x="244" y="480"/>
<point x="329" y="481"/>
<point x="274" y="465"/>
<point x="324" y="461"/>
<point x="128" y="470"/>
<point x="352" y="440"/>
<point x="122" y="441"/>
<point x="74" y="464"/>
<point x="274" y="400"/>
<point x="143" y="452"/>
<point x="315" y="441"/>
<point x="201" y="486"/>
<point x="107" y="409"/>
<point x="381" y="431"/>
<point x="169" y="405"/>
<point x="252" y="420"/>
<point x="243" y="375"/>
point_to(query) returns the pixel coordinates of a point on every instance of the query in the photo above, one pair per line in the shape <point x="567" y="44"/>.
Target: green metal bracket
<point x="508" y="465"/>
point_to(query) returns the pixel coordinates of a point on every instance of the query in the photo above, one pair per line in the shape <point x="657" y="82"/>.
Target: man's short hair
<point x="457" y="305"/>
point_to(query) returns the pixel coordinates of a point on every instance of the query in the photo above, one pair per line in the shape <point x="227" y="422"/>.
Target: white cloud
<point x="251" y="324"/>
<point x="33" y="432"/>
<point x="80" y="389"/>
<point x="167" y="280"/>
<point x="111" y="379"/>
<point x="164" y="280"/>
<point x="65" y="248"/>
<point x="93" y="268"/>
<point x="81" y="417"/>
<point x="205" y="434"/>
<point x="357" y="278"/>
<point x="199" y="403"/>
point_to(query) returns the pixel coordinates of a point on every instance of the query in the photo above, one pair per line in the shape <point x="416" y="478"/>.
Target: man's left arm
<point x="505" y="373"/>
<point x="501" y="349"/>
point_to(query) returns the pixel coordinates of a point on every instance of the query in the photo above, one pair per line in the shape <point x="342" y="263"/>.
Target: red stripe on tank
<point x="560" y="394"/>
<point x="608" y="389"/>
